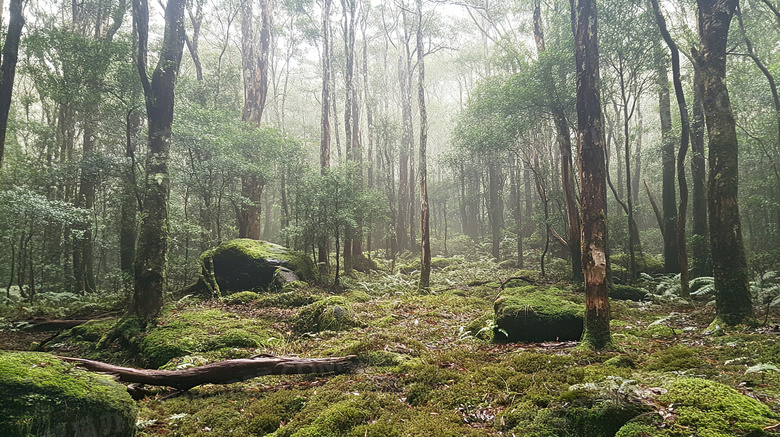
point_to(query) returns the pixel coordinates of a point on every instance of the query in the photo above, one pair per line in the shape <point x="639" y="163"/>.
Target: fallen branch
<point x="222" y="372"/>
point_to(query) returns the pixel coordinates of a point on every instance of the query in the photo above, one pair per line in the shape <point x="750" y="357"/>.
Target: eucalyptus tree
<point x="592" y="176"/>
<point x="425" y="225"/>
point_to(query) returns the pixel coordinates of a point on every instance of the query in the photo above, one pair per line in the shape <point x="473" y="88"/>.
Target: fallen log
<point x="222" y="372"/>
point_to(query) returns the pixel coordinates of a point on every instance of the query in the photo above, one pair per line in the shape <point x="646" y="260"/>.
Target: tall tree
<point x="152" y="251"/>
<point x="592" y="160"/>
<point x="682" y="253"/>
<point x="322" y="251"/>
<point x="8" y="67"/>
<point x="425" y="227"/>
<point x="732" y="293"/>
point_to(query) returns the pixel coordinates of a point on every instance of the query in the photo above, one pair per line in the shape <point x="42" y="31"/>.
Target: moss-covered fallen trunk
<point x="43" y="396"/>
<point x="222" y="372"/>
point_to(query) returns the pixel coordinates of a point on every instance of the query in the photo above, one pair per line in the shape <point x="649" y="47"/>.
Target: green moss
<point x="537" y="316"/>
<point x="634" y="429"/>
<point x="626" y="292"/>
<point x="41" y="395"/>
<point x="708" y="408"/>
<point x="241" y="297"/>
<point x="621" y="361"/>
<point x="330" y="314"/>
<point x="674" y="358"/>
<point x="180" y="333"/>
<point x="289" y="299"/>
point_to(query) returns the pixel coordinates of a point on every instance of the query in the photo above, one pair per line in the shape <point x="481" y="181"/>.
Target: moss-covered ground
<point x="428" y="365"/>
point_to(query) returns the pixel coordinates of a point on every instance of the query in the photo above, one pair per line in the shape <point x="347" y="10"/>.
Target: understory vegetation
<point x="436" y="362"/>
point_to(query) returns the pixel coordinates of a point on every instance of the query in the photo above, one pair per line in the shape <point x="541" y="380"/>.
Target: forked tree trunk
<point x="592" y="177"/>
<point x="732" y="293"/>
<point x="152" y="251"/>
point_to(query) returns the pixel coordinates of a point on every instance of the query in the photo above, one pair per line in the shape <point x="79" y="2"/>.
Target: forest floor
<point x="428" y="366"/>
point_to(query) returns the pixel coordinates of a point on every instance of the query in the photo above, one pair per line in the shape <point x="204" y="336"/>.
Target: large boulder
<point x="43" y="396"/>
<point x="526" y="314"/>
<point x="244" y="264"/>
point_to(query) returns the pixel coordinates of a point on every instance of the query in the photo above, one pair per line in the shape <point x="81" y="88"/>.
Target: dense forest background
<point x="300" y="123"/>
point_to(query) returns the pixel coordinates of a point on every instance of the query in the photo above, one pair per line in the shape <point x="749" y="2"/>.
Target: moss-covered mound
<point x="330" y="314"/>
<point x="40" y="395"/>
<point x="707" y="408"/>
<point x="193" y="330"/>
<point x="245" y="264"/>
<point x="526" y="315"/>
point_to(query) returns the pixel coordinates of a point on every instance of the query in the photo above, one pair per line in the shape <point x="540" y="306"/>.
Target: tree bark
<point x="732" y="293"/>
<point x="222" y="372"/>
<point x="8" y="67"/>
<point x="151" y="256"/>
<point x="322" y="245"/>
<point x="592" y="176"/>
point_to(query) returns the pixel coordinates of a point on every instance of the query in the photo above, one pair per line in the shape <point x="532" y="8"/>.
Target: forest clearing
<point x="374" y="218"/>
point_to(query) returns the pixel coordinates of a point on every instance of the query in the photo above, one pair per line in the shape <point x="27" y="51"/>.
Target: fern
<point x="702" y="286"/>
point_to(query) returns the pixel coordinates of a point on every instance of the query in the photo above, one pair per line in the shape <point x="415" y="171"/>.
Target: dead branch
<point x="222" y="372"/>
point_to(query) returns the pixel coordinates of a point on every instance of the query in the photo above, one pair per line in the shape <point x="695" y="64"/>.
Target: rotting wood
<point x="222" y="372"/>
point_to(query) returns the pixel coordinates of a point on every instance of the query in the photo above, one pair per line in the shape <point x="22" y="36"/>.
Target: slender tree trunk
<point x="684" y="137"/>
<point x="700" y="247"/>
<point x="151" y="256"/>
<point x="592" y="177"/>
<point x="82" y="246"/>
<point x="493" y="210"/>
<point x="732" y="293"/>
<point x="425" y="243"/>
<point x="130" y="201"/>
<point x="8" y="67"/>
<point x="322" y="244"/>
<point x="564" y="146"/>
<point x="668" y="190"/>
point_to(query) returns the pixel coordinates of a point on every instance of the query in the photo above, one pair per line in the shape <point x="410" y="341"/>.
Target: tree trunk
<point x="732" y="293"/>
<point x="668" y="193"/>
<point x="130" y="203"/>
<point x="8" y="66"/>
<point x="700" y="247"/>
<point x="322" y="245"/>
<point x="425" y="242"/>
<point x="222" y="372"/>
<point x="82" y="246"/>
<point x="151" y="256"/>
<point x="684" y="136"/>
<point x="592" y="177"/>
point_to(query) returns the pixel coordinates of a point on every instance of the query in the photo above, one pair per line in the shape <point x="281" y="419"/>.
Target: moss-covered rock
<point x="330" y="314"/>
<point x="708" y="408"/>
<point x="626" y="292"/>
<point x="537" y="316"/>
<point x="41" y="395"/>
<point x="245" y="264"/>
<point x="180" y="333"/>
<point x="242" y="297"/>
<point x="675" y="358"/>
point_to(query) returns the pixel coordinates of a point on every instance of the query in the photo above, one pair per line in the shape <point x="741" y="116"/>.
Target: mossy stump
<point x="537" y="316"/>
<point x="41" y="395"/>
<point x="250" y="265"/>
